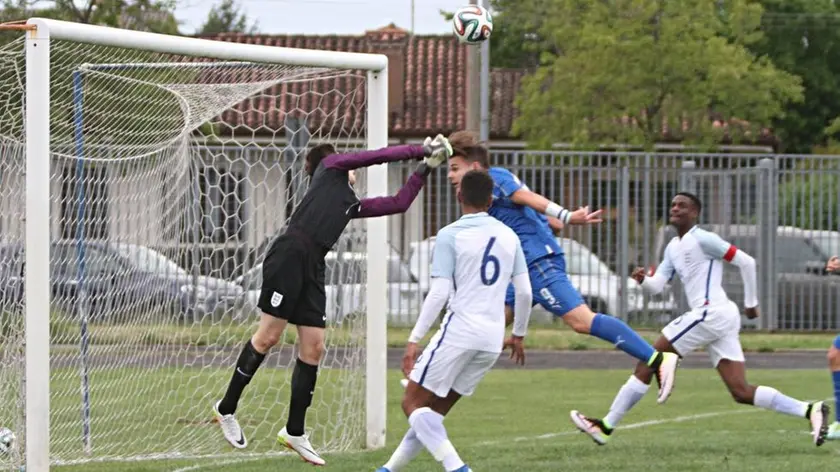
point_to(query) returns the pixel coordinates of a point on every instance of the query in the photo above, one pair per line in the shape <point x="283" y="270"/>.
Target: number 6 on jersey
<point x="492" y="261"/>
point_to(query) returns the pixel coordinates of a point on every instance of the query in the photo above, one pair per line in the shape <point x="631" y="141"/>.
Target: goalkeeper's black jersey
<point x="330" y="202"/>
<point x="326" y="207"/>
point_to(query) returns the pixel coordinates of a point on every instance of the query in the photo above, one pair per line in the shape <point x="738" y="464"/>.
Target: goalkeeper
<point x="293" y="275"/>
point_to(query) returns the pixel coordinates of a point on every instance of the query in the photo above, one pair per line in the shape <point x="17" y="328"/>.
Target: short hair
<point x="471" y="154"/>
<point x="316" y="155"/>
<point x="477" y="189"/>
<point x="463" y="139"/>
<point x="694" y="200"/>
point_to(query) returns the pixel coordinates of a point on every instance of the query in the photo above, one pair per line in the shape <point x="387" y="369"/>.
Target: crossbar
<point x="197" y="47"/>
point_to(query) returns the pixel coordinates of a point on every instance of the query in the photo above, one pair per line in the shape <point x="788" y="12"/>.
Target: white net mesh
<point x="170" y="177"/>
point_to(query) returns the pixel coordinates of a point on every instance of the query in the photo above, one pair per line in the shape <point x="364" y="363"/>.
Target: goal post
<point x="202" y="102"/>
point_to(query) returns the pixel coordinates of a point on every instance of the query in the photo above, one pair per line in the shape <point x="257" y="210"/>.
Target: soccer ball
<point x="7" y="440"/>
<point x="472" y="24"/>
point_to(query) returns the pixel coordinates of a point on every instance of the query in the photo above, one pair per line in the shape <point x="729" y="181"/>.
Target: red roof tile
<point x="434" y="93"/>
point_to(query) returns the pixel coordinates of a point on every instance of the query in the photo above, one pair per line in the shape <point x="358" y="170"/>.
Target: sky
<point x="328" y="16"/>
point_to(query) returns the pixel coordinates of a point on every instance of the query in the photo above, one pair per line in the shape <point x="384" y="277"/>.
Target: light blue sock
<point x="615" y="331"/>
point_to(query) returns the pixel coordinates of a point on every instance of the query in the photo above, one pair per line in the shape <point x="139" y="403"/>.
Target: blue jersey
<point x="535" y="235"/>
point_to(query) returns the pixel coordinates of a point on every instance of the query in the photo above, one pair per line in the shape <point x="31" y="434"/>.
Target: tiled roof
<point x="434" y="90"/>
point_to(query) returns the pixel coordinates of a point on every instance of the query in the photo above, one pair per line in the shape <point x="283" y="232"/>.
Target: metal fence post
<point x="767" y="201"/>
<point x="624" y="240"/>
<point x="687" y="181"/>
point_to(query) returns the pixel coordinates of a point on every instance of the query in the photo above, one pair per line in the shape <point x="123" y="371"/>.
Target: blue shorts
<point x="550" y="286"/>
<point x="837" y="342"/>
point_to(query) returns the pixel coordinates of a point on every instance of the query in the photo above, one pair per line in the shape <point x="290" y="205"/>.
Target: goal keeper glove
<point x="437" y="151"/>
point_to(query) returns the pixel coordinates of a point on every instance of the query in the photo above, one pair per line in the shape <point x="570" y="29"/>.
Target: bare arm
<point x="355" y="160"/>
<point x="525" y="197"/>
<point x="393" y="204"/>
<point x="555" y="224"/>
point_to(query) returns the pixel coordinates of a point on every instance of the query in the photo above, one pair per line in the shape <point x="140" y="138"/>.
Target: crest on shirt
<point x="276" y="299"/>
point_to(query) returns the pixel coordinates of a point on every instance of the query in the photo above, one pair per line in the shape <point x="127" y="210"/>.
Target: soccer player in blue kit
<point x="533" y="218"/>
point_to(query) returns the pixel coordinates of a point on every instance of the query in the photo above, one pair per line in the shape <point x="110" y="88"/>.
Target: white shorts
<point x="443" y="367"/>
<point x="715" y="328"/>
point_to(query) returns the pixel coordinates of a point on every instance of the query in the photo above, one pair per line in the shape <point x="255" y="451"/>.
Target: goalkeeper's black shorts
<point x="293" y="281"/>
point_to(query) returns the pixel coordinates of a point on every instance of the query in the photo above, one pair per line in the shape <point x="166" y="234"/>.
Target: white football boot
<point x="666" y="374"/>
<point x="230" y="428"/>
<point x="819" y="422"/>
<point x="301" y="445"/>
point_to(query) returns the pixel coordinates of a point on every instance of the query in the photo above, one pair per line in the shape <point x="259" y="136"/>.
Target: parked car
<point x="827" y="241"/>
<point x="806" y="297"/>
<point x="345" y="285"/>
<point x="599" y="286"/>
<point x="204" y="291"/>
<point x="114" y="287"/>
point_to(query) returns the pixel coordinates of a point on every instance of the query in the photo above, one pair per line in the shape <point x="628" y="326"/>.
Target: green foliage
<point x="797" y="196"/>
<point x="513" y="44"/>
<point x="227" y="17"/>
<point x="144" y="15"/>
<point x="617" y="72"/>
<point x="802" y="37"/>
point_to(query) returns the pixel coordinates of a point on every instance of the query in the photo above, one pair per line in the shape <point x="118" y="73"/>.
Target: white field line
<point x="258" y="456"/>
<point x="642" y="424"/>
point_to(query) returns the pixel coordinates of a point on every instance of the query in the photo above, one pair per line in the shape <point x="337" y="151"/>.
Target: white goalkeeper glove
<point x="437" y="151"/>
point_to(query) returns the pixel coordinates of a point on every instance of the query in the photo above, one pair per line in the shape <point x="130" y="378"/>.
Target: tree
<point x="227" y="17"/>
<point x="624" y="71"/>
<point x="802" y="37"/>
<point x="145" y="15"/>
<point x="513" y="44"/>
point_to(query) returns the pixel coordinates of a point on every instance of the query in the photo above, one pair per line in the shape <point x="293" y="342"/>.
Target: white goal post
<point x="40" y="34"/>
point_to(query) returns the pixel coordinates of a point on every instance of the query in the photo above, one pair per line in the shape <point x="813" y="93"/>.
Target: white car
<point x="598" y="285"/>
<point x="344" y="288"/>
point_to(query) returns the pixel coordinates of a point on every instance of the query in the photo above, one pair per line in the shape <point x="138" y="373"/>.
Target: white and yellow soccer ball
<point x="7" y="440"/>
<point x="472" y="24"/>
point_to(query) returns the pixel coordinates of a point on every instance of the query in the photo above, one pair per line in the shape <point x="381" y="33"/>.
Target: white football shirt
<point x="697" y="259"/>
<point x="480" y="255"/>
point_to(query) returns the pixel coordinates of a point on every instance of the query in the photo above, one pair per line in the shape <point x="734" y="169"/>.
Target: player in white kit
<point x="713" y="322"/>
<point x="474" y="260"/>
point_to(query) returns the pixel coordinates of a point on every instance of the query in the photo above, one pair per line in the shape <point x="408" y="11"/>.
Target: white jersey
<point x="480" y="255"/>
<point x="697" y="259"/>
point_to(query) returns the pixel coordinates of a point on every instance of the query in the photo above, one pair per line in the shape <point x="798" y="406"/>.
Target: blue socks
<point x="615" y="331"/>
<point x="835" y="376"/>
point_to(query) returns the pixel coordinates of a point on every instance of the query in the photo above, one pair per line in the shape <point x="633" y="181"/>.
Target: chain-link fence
<point x="784" y="210"/>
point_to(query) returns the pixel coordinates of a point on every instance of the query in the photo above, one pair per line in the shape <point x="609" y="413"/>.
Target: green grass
<point x="510" y="404"/>
<point x="230" y="333"/>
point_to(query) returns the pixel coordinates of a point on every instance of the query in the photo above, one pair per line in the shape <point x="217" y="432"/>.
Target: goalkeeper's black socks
<point x="246" y="366"/>
<point x="303" y="387"/>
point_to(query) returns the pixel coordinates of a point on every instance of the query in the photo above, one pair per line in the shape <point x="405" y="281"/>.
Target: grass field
<point x="518" y="420"/>
<point x="228" y="333"/>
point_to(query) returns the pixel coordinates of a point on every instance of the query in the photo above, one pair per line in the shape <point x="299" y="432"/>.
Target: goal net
<point x="171" y="173"/>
